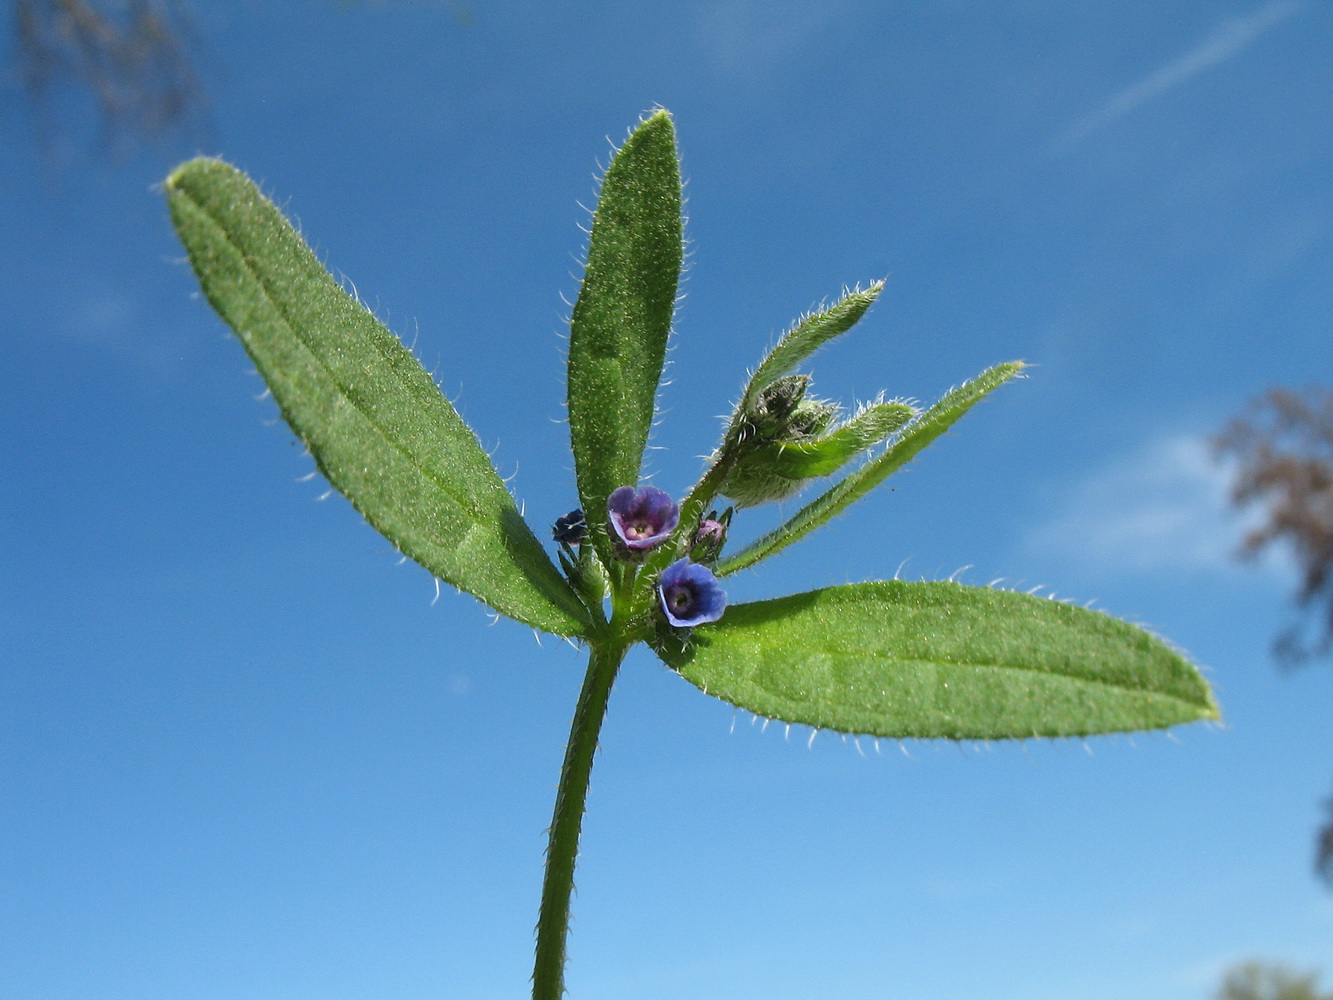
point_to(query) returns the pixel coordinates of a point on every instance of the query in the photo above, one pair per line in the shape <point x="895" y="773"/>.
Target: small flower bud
<point x="770" y="412"/>
<point x="570" y="529"/>
<point x="709" y="537"/>
<point x="811" y="418"/>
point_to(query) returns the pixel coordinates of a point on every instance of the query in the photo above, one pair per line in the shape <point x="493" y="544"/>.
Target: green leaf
<point x="378" y="427"/>
<point x="919" y="433"/>
<point x="906" y="660"/>
<point x="807" y="336"/>
<point x="621" y="320"/>
<point x="779" y="468"/>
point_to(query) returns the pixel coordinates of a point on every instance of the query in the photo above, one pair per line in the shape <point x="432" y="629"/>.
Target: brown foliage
<point x="1284" y="447"/>
<point x="1262" y="981"/>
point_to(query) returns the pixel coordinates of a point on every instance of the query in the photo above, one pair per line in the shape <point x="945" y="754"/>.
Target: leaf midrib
<point x="1036" y="671"/>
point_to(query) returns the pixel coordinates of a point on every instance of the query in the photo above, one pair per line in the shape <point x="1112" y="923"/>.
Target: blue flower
<point x="569" y="530"/>
<point x="641" y="519"/>
<point x="690" y="594"/>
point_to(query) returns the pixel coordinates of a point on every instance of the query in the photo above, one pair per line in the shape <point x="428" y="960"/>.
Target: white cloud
<point x="1224" y="42"/>
<point x="104" y="316"/>
<point x="1163" y="509"/>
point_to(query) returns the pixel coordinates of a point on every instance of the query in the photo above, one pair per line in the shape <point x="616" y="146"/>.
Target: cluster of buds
<point x="780" y="439"/>
<point x="781" y="411"/>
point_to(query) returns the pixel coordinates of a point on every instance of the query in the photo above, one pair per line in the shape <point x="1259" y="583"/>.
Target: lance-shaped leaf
<point x="378" y="427"/>
<point x="621" y="320"/>
<point x="778" y="469"/>
<point x="856" y="484"/>
<point x="807" y="336"/>
<point x="906" y="660"/>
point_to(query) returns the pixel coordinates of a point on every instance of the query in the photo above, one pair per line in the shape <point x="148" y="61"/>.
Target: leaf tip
<point x="658" y="116"/>
<point x="655" y="126"/>
<point x="188" y="169"/>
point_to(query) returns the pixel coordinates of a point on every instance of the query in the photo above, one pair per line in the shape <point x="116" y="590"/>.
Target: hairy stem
<point x="548" y="974"/>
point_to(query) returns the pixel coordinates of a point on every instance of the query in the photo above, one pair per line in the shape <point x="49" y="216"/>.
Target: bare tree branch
<point x="134" y="56"/>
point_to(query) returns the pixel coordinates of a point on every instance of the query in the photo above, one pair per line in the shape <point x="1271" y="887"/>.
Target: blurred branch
<point x="1323" y="857"/>
<point x="133" y="56"/>
<point x="1284" y="447"/>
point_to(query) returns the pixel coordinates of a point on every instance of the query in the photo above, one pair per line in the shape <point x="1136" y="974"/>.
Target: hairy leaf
<point x="378" y="427"/>
<point x="904" y="660"/>
<point x="807" y="336"/>
<point x="621" y="320"/>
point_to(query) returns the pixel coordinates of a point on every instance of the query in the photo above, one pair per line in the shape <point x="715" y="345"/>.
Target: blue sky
<point x="246" y="753"/>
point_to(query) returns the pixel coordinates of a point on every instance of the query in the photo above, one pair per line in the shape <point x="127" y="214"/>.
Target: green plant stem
<point x="548" y="973"/>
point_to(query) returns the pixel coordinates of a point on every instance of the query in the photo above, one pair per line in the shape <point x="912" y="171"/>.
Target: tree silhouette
<point x="135" y="58"/>
<point x="1264" y="981"/>
<point x="1283" y="446"/>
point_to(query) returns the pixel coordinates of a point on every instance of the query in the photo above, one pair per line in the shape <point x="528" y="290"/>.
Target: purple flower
<point x="641" y="519"/>
<point x="690" y="594"/>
